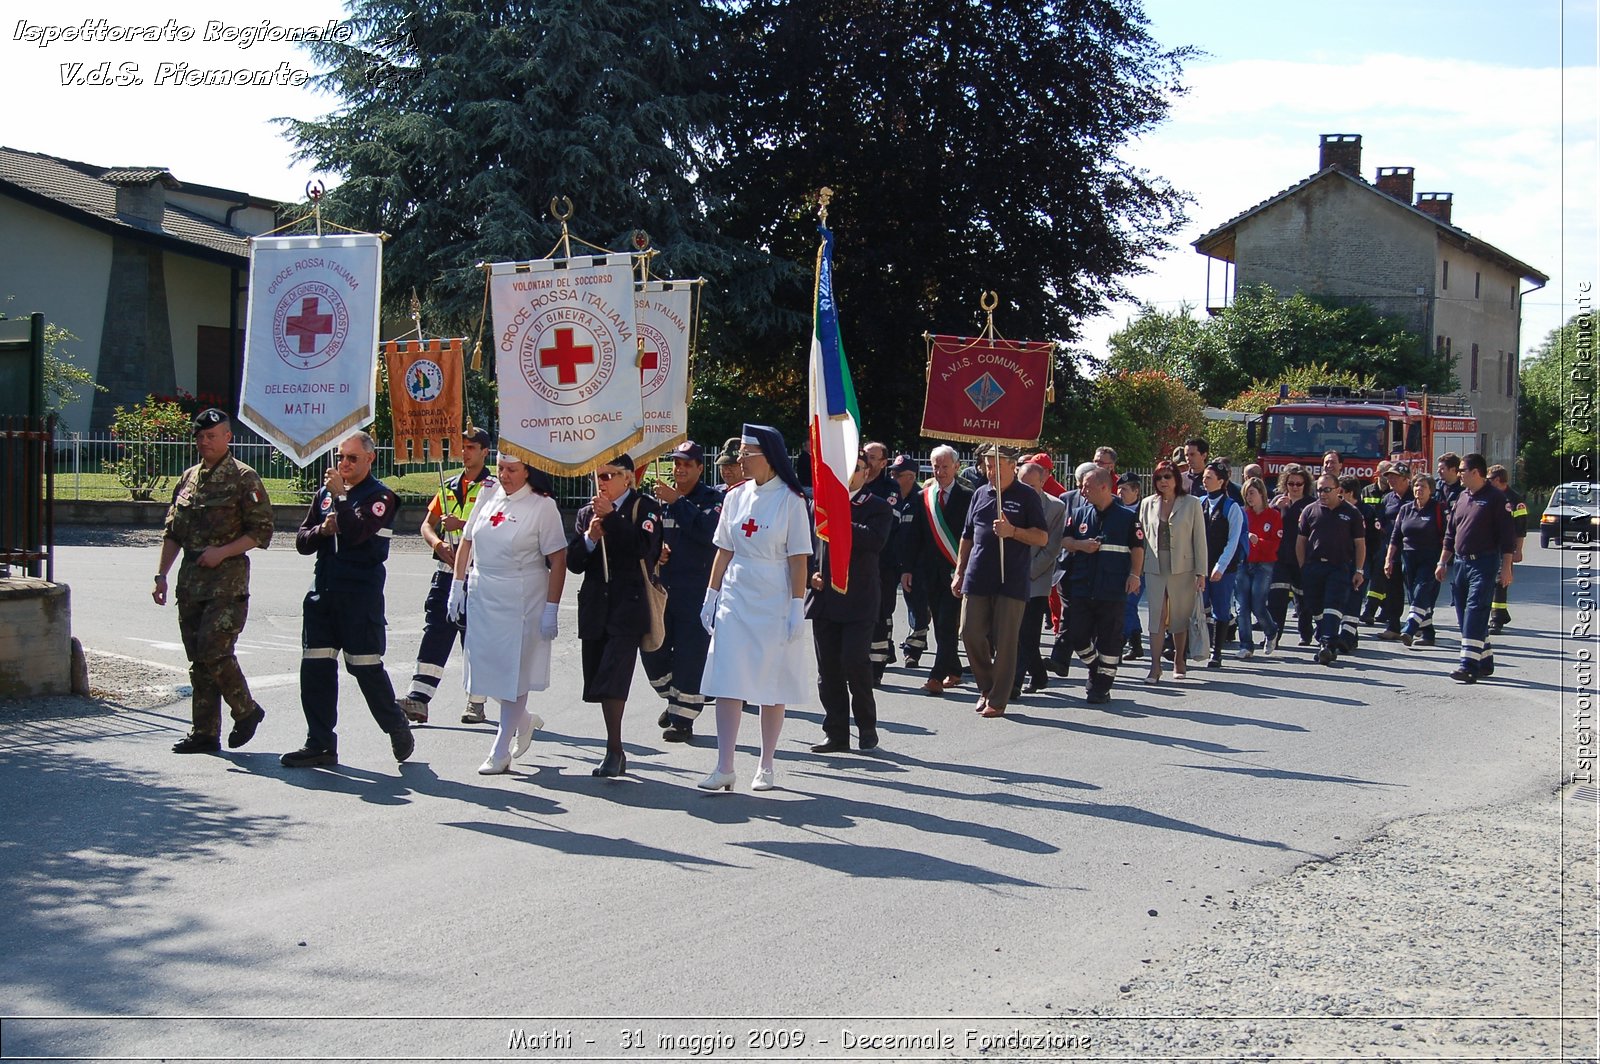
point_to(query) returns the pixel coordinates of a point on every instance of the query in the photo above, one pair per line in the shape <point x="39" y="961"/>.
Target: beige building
<point x="1337" y="236"/>
<point x="149" y="274"/>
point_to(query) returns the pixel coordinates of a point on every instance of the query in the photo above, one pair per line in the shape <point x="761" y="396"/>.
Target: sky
<point x="1500" y="107"/>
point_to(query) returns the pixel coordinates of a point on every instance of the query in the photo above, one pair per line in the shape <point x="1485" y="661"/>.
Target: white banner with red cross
<point x="567" y="361"/>
<point x="311" y="340"/>
<point x="662" y="312"/>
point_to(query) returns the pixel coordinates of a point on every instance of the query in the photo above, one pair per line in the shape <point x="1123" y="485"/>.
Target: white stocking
<point x="729" y="711"/>
<point x="771" y="728"/>
<point x="512" y="713"/>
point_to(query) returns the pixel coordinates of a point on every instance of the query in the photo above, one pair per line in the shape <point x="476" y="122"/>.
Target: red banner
<point x="982" y="390"/>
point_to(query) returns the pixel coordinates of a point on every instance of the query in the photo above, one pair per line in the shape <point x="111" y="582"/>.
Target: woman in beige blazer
<point x="1174" y="565"/>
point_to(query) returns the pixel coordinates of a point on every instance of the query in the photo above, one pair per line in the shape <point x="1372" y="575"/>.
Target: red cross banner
<point x="983" y="390"/>
<point x="311" y="340"/>
<point x="567" y="360"/>
<point x="425" y="399"/>
<point x="662" y="312"/>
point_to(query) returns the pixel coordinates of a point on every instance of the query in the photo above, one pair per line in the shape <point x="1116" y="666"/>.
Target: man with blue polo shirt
<point x="1107" y="545"/>
<point x="991" y="574"/>
<point x="1480" y="538"/>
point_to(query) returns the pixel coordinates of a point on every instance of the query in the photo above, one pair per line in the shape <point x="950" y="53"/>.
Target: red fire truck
<point x="1364" y="426"/>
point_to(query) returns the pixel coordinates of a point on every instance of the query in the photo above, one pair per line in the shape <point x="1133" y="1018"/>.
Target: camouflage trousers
<point x="209" y="628"/>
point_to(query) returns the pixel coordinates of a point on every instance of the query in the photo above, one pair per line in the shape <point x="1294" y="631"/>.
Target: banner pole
<point x="999" y="503"/>
<point x="605" y="559"/>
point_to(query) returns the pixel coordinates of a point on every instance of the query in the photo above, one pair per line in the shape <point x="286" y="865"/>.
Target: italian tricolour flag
<point x="835" y="423"/>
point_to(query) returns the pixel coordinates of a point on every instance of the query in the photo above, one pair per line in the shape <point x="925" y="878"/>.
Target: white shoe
<point x="764" y="780"/>
<point x="1245" y="654"/>
<point x="494" y="766"/>
<point x="717" y="781"/>
<point x="530" y="724"/>
<point x="1269" y="646"/>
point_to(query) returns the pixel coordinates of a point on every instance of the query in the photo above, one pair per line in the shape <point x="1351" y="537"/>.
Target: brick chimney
<point x="1436" y="204"/>
<point x="141" y="195"/>
<point x="1397" y="181"/>
<point x="1342" y="150"/>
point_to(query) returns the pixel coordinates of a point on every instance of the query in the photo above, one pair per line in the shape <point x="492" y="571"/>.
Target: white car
<point x="1572" y="515"/>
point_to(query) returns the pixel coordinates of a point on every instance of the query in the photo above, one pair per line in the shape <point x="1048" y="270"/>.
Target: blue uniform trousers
<point x="675" y="668"/>
<point x="1327" y="590"/>
<point x="349" y="621"/>
<point x="1421" y="587"/>
<point x="1474" y="592"/>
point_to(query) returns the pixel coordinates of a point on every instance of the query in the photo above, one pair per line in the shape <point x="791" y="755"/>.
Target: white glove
<point x="455" y="607"/>
<point x="708" y="609"/>
<point x="797" y="617"/>
<point x="547" y="623"/>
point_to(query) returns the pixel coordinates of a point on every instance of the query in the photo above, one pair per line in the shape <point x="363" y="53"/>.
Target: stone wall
<point x="35" y="638"/>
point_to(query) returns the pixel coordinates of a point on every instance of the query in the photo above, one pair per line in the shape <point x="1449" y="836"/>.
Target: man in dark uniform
<point x="1448" y="489"/>
<point x="446" y="515"/>
<point x="1393" y="605"/>
<point x="617" y="530"/>
<point x="1351" y="487"/>
<point x="903" y="543"/>
<point x="1107" y="545"/>
<point x="690" y="510"/>
<point x="1500" y="478"/>
<point x="1004" y="521"/>
<point x="1330" y="549"/>
<point x="348" y="528"/>
<point x="219" y="511"/>
<point x="1480" y="537"/>
<point x="941" y="511"/>
<point x="880" y="482"/>
<point x="842" y="625"/>
<point x="1377" y="587"/>
<point x="1060" y="660"/>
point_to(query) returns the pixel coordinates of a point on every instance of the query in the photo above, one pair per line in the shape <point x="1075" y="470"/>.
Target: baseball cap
<point x="903" y="463"/>
<point x="1400" y="469"/>
<point x="689" y="451"/>
<point x="621" y="461"/>
<point x="474" y="434"/>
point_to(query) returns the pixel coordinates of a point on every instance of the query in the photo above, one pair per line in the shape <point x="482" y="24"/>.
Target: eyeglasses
<point x="1165" y="476"/>
<point x="347" y="457"/>
<point x="749" y="454"/>
<point x="1326" y="491"/>
<point x="604" y="477"/>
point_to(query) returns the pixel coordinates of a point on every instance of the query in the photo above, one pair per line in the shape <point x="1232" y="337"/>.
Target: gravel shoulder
<point x="1466" y="935"/>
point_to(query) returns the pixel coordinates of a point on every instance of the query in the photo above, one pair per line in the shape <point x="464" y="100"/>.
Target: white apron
<point x="751" y="657"/>
<point x="506" y="590"/>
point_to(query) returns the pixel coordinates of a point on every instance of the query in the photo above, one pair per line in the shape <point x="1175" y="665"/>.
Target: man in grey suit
<point x="1041" y="576"/>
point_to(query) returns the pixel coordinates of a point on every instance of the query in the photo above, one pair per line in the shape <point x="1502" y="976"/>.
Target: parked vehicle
<point x="1572" y="515"/>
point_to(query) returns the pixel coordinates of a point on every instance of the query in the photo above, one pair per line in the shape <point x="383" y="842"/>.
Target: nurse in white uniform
<point x="753" y="605"/>
<point x="515" y="550"/>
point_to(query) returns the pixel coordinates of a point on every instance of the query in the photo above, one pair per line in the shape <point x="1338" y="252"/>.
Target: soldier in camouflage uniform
<point x="219" y="511"/>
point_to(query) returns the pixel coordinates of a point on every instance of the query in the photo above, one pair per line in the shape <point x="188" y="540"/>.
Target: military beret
<point x="210" y="417"/>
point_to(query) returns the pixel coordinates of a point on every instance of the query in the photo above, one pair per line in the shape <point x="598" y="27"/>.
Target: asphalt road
<point x="1008" y="869"/>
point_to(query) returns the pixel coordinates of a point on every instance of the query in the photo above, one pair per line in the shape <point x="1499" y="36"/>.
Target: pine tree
<point x="461" y="119"/>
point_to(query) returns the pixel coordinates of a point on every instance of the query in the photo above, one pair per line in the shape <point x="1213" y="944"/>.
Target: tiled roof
<point x="88" y="192"/>
<point x="1466" y="238"/>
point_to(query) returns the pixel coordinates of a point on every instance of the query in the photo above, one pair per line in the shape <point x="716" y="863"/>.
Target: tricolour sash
<point x="942" y="533"/>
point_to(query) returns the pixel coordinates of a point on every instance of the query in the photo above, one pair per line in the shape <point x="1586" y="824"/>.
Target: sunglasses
<point x="347" y="457"/>
<point x="1326" y="491"/>
<point x="1165" y="476"/>
<point x="604" y="477"/>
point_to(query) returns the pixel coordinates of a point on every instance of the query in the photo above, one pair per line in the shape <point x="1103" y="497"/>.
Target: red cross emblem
<point x="497" y="518"/>
<point x="649" y="361"/>
<point x="307" y="325"/>
<point x="749" y="527"/>
<point x="565" y="357"/>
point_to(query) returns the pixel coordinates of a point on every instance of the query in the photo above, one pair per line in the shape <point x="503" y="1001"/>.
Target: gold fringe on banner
<point x="558" y="469"/>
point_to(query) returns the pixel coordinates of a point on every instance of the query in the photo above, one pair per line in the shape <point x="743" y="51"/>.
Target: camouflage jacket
<point x="212" y="508"/>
